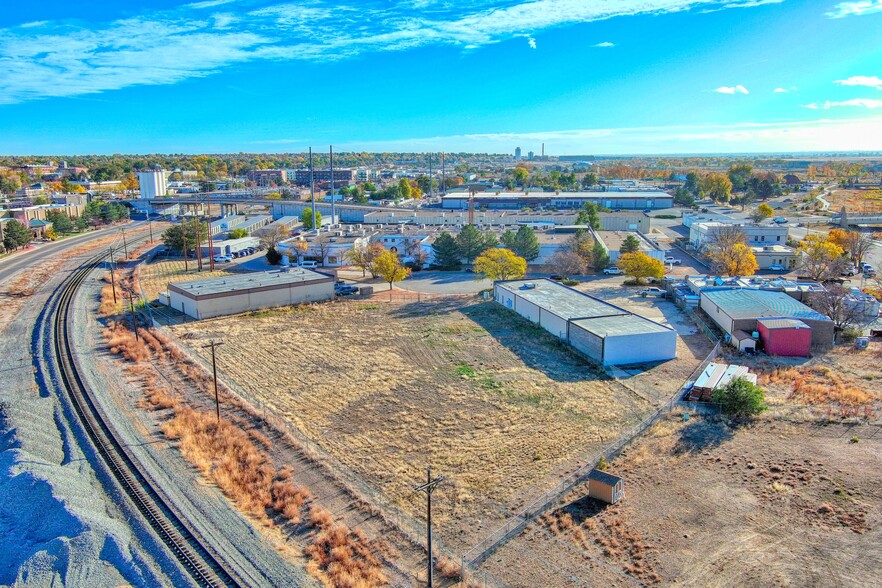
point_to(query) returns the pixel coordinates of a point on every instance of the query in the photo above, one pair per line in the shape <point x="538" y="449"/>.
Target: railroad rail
<point x="194" y="554"/>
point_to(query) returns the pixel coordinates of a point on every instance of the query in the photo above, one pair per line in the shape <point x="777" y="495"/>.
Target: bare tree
<point x="858" y="245"/>
<point x="836" y="304"/>
<point x="270" y="236"/>
<point x="568" y="263"/>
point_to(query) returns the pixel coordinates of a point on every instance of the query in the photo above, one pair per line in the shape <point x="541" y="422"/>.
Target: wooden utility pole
<point x="125" y="247"/>
<point x="199" y="240"/>
<point x="134" y="321"/>
<point x="214" y="344"/>
<point x="184" y="240"/>
<point x="112" y="276"/>
<point x="210" y="243"/>
<point x="428" y="488"/>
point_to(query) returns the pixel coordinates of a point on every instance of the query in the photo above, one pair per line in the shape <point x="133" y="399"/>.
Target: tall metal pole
<point x="199" y="241"/>
<point x="431" y="180"/>
<point x="184" y="240"/>
<point x="443" y="180"/>
<point x="214" y="344"/>
<point x="210" y="243"/>
<point x="333" y="218"/>
<point x="312" y="191"/>
<point x="112" y="276"/>
<point x="428" y="488"/>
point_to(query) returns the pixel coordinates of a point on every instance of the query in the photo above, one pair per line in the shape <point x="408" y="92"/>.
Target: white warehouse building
<point x="601" y="331"/>
<point x="202" y="299"/>
<point x="152" y="184"/>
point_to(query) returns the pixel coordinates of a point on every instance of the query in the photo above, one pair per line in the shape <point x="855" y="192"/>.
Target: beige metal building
<point x="227" y="295"/>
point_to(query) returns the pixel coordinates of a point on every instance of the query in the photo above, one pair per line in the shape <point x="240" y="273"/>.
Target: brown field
<point x="706" y="504"/>
<point x="495" y="404"/>
<point x="155" y="276"/>
<point x="856" y="201"/>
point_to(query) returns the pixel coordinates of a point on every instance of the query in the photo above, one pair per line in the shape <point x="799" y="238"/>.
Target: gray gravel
<point x="58" y="524"/>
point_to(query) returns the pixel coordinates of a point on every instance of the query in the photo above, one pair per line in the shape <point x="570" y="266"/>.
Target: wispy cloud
<point x="531" y="42"/>
<point x="785" y="90"/>
<point x="848" y="135"/>
<point x="604" y="44"/>
<point x="148" y="50"/>
<point x="844" y="9"/>
<point x="868" y="81"/>
<point x="854" y="102"/>
<point x="34" y="24"/>
<point x="739" y="89"/>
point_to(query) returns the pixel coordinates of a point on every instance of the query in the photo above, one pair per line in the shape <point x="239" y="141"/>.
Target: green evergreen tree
<point x="526" y="244"/>
<point x="599" y="256"/>
<point x="589" y="216"/>
<point x="471" y="243"/>
<point x="631" y="244"/>
<point x="15" y="235"/>
<point x="446" y="252"/>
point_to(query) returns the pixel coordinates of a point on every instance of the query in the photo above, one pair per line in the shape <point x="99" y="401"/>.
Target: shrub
<point x="741" y="398"/>
<point x="273" y="257"/>
<point x="849" y="335"/>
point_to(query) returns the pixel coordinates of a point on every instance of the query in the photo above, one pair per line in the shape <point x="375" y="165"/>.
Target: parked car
<point x="673" y="260"/>
<point x="849" y="271"/>
<point x="308" y="264"/>
<point x="613" y="271"/>
<point x="344" y="289"/>
<point x="780" y="220"/>
<point x="869" y="273"/>
<point x="555" y="277"/>
<point x="777" y="268"/>
<point x="222" y="259"/>
<point x="652" y="291"/>
<point x="866" y="266"/>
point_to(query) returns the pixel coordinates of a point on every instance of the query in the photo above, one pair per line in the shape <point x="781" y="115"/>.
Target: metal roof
<point x="565" y="302"/>
<point x="783" y="323"/>
<point x="741" y="303"/>
<point x="604" y="477"/>
<point x="629" y="324"/>
<point x="247" y="281"/>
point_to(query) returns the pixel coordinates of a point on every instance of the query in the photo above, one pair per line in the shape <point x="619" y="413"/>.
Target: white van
<point x="306" y="264"/>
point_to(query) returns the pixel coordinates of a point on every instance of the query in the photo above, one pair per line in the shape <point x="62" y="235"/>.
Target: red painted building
<point x="785" y="337"/>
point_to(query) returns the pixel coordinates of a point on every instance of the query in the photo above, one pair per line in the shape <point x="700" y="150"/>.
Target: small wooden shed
<point x="605" y="486"/>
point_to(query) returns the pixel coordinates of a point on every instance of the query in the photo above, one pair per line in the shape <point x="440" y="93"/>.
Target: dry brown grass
<point x="822" y="386"/>
<point x="122" y="341"/>
<point x="154" y="277"/>
<point x="454" y="383"/>
<point x="341" y="557"/>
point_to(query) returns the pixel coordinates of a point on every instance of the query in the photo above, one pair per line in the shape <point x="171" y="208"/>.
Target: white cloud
<point x="34" y="24"/>
<point x="141" y="50"/>
<point x="855" y="102"/>
<point x="817" y="135"/>
<point x="739" y="89"/>
<point x="604" y="44"/>
<point x="531" y="42"/>
<point x="868" y="81"/>
<point x="844" y="9"/>
<point x="785" y="90"/>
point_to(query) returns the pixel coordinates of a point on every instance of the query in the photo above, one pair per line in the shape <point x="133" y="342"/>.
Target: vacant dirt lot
<point x="490" y="401"/>
<point x="772" y="504"/>
<point x="856" y="201"/>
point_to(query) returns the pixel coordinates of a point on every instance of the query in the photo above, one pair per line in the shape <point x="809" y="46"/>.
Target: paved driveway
<point x="435" y="282"/>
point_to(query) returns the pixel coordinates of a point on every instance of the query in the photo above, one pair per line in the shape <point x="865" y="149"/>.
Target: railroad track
<point x="196" y="556"/>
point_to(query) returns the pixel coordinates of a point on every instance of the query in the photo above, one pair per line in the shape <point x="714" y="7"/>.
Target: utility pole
<point x="431" y="181"/>
<point x="150" y="226"/>
<point x="443" y="179"/>
<point x="112" y="276"/>
<point x="214" y="344"/>
<point x="210" y="243"/>
<point x="333" y="218"/>
<point x="312" y="192"/>
<point x="428" y="488"/>
<point x="125" y="247"/>
<point x="134" y="322"/>
<point x="184" y="240"/>
<point x="199" y="240"/>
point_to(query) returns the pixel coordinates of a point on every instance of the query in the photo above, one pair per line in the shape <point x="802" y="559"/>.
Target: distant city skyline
<point x="582" y="76"/>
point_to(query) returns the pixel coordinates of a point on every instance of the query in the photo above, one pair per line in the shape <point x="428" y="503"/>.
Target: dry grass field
<point x="856" y="201"/>
<point x="155" y="276"/>
<point x="706" y="504"/>
<point x="493" y="403"/>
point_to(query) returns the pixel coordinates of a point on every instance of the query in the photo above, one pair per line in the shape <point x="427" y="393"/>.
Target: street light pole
<point x="428" y="488"/>
<point x="214" y="344"/>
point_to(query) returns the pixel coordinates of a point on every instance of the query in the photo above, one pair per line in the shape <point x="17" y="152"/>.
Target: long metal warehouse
<point x="603" y="332"/>
<point x="233" y="294"/>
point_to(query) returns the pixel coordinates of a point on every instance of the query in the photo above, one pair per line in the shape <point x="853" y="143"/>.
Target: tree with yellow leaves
<point x="640" y="266"/>
<point x="738" y="260"/>
<point x="500" y="264"/>
<point x="762" y="212"/>
<point x="130" y="183"/>
<point x="821" y="258"/>
<point x="388" y="266"/>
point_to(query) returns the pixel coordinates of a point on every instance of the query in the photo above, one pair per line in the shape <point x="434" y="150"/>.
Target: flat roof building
<point x="601" y="331"/>
<point x="234" y="294"/>
<point x="633" y="200"/>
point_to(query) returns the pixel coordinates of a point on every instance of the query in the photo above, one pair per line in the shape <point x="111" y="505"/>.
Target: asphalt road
<point x="21" y="260"/>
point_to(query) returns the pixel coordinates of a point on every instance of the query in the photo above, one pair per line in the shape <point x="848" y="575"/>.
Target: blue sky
<point x="582" y="76"/>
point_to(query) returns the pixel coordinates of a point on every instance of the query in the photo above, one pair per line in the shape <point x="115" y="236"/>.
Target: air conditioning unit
<point x="338" y="233"/>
